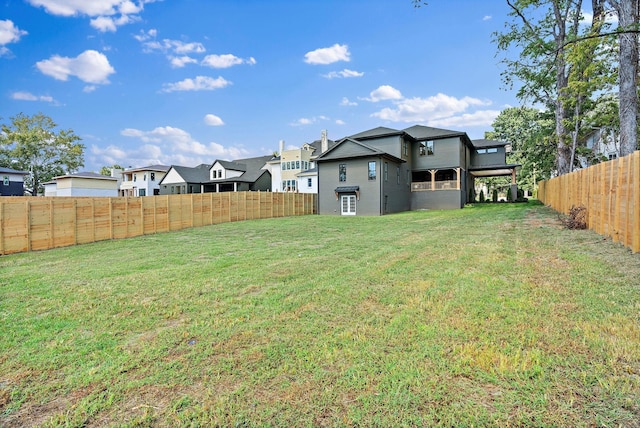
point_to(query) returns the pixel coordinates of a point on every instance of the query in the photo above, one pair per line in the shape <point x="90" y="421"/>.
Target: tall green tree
<point x="530" y="132"/>
<point x="544" y="32"/>
<point x="32" y="143"/>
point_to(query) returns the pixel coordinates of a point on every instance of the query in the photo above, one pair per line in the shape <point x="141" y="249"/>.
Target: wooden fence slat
<point x="612" y="201"/>
<point x="38" y="223"/>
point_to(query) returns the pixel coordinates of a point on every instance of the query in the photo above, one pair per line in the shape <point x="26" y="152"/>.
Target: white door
<point x="348" y="205"/>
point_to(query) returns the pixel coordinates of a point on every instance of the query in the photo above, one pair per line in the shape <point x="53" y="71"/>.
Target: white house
<point x="82" y="184"/>
<point x="143" y="181"/>
<point x="295" y="169"/>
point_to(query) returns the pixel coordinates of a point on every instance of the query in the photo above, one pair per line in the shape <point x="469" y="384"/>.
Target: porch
<point x="435" y="179"/>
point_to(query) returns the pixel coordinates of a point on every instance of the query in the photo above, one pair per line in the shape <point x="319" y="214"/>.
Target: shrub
<point x="494" y="196"/>
<point x="577" y="218"/>
<point x="481" y="197"/>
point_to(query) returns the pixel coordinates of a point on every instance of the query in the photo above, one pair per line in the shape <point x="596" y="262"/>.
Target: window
<point x="309" y="182"/>
<point x="426" y="148"/>
<point x="144" y="177"/>
<point x="481" y="151"/>
<point x="297" y="164"/>
<point x="406" y="148"/>
<point x="372" y="170"/>
<point x="5" y="180"/>
<point x="408" y="177"/>
<point x="135" y="177"/>
<point x="284" y="185"/>
<point x="613" y="156"/>
<point x="142" y="192"/>
<point x="493" y="150"/>
<point x="284" y="166"/>
<point x="342" y="172"/>
<point x="219" y="173"/>
<point x="386" y="171"/>
<point x="348" y="205"/>
<point x="397" y="175"/>
<point x="153" y="176"/>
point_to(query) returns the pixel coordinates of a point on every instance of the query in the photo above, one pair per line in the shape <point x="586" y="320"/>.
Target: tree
<point x="531" y="135"/>
<point x="106" y="170"/>
<point x="628" y="14"/>
<point x="31" y="143"/>
<point x="544" y="32"/>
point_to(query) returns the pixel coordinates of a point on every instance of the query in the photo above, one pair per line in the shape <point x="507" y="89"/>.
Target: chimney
<point x="324" y="145"/>
<point x="281" y="147"/>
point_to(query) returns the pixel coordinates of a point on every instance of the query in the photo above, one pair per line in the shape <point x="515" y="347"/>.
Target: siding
<point x="446" y="153"/>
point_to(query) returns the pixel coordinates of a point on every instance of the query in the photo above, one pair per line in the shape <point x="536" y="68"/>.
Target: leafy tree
<point x="531" y="135"/>
<point x="32" y="143"/>
<point x="546" y="32"/>
<point x="106" y="170"/>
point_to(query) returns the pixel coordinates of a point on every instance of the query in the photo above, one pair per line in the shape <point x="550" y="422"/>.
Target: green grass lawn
<point x="488" y="316"/>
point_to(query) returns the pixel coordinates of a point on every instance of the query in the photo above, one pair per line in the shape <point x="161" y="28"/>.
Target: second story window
<point x="342" y="172"/>
<point x="426" y="148"/>
<point x="386" y="171"/>
<point x="372" y="170"/>
<point x="135" y="177"/>
<point x="153" y="176"/>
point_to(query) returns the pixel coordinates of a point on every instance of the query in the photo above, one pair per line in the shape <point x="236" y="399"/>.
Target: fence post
<point x="1" y="227"/>
<point x="636" y="202"/>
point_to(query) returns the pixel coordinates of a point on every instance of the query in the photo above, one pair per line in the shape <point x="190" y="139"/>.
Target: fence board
<point x="610" y="191"/>
<point x="39" y="223"/>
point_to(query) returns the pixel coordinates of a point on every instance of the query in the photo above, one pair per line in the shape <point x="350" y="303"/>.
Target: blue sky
<point x="189" y="81"/>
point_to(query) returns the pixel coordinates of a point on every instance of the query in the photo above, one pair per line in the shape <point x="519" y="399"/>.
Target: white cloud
<point x="28" y="96"/>
<point x="344" y="73"/>
<point x="9" y="33"/>
<point x="439" y="110"/>
<point x="487" y="18"/>
<point x="106" y="15"/>
<point x="346" y="102"/>
<point x="328" y="55"/>
<point x="384" y="92"/>
<point x="200" y="83"/>
<point x="164" y="145"/>
<point x="181" y="61"/>
<point x="90" y="66"/>
<point x="225" y="61"/>
<point x="309" y="120"/>
<point x="482" y="118"/>
<point x="213" y="120"/>
<point x="340" y="122"/>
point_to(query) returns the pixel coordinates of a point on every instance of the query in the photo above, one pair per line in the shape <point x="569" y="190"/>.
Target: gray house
<point x="12" y="182"/>
<point x="240" y="175"/>
<point x="385" y="170"/>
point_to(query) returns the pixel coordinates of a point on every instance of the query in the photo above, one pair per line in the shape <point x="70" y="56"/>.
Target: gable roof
<point x="421" y="132"/>
<point x="251" y="168"/>
<point x="380" y="131"/>
<point x="196" y="174"/>
<point x="358" y="150"/>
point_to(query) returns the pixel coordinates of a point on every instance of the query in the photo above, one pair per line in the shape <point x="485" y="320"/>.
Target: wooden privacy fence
<point x="40" y="223"/>
<point x="610" y="192"/>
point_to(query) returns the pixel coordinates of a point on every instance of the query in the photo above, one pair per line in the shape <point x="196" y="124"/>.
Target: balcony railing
<point x="424" y="186"/>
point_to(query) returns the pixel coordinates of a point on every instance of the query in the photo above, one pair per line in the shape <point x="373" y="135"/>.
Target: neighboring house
<point x="385" y="170"/>
<point x="604" y="145"/>
<point x="249" y="174"/>
<point x="294" y="170"/>
<point x="12" y="183"/>
<point x="82" y="184"/>
<point x="143" y="181"/>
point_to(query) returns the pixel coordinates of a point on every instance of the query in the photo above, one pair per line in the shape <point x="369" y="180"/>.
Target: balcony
<point x="426" y="186"/>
